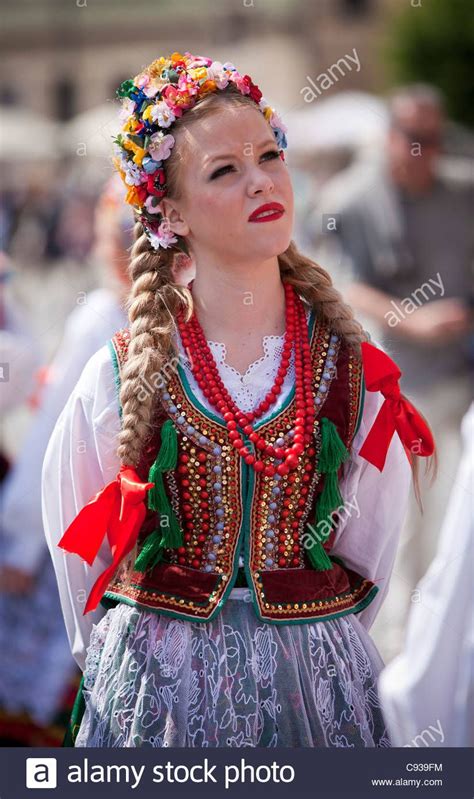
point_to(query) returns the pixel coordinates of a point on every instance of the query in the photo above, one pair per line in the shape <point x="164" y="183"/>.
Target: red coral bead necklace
<point x="207" y="376"/>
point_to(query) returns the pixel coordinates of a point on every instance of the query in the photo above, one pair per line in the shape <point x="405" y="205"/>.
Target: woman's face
<point x="230" y="167"/>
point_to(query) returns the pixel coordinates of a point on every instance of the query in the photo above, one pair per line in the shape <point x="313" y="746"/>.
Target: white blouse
<point x="427" y="692"/>
<point x="81" y="458"/>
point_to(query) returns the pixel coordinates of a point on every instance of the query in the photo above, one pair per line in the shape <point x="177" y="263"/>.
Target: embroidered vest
<point x="220" y="503"/>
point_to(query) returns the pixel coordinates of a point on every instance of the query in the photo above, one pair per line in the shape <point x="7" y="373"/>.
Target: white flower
<point x="162" y="114"/>
<point x="127" y="109"/>
<point x="133" y="173"/>
<point x="217" y="73"/>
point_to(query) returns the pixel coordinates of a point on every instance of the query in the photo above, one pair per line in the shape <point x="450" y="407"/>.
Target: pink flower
<point x="240" y="82"/>
<point x="142" y="81"/>
<point x="198" y="61"/>
<point x="276" y="122"/>
<point x="152" y="87"/>
<point x="161" y="145"/>
<point x="152" y="209"/>
<point x="177" y="101"/>
<point x="127" y="109"/>
<point x="164" y="237"/>
<point x="186" y="85"/>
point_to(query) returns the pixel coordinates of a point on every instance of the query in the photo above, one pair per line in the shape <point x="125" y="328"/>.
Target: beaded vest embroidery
<point x="220" y="502"/>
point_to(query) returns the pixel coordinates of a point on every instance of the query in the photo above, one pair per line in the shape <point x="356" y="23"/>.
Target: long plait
<point x="152" y="308"/>
<point x="314" y="283"/>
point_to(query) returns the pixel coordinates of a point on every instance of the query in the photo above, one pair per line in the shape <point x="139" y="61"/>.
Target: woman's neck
<point x="235" y="306"/>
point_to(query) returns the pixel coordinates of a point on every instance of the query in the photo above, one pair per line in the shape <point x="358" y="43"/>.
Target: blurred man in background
<point x="405" y="237"/>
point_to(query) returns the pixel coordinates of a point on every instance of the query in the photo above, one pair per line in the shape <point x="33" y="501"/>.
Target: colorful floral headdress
<point x="151" y="103"/>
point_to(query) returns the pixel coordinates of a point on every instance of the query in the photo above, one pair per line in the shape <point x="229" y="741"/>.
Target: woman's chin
<point x="271" y="245"/>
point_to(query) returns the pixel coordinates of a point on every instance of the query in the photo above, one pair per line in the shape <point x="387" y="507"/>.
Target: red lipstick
<point x="270" y="212"/>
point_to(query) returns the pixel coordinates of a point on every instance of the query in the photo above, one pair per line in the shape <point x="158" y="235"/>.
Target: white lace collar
<point x="248" y="389"/>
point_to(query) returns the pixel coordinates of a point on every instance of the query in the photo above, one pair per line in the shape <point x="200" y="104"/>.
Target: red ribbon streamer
<point x="396" y="414"/>
<point x="119" y="510"/>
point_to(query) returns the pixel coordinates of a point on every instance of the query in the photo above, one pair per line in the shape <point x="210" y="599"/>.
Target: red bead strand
<point x="209" y="380"/>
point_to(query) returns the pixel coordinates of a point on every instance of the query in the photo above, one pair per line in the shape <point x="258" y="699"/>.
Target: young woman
<point x="241" y="526"/>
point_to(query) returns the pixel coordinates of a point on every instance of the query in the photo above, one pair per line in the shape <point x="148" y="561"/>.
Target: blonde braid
<point x="152" y="308"/>
<point x="153" y="304"/>
<point x="313" y="283"/>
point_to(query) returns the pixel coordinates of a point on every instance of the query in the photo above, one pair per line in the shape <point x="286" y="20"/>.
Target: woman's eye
<point x="221" y="171"/>
<point x="268" y="156"/>
<point x="271" y="154"/>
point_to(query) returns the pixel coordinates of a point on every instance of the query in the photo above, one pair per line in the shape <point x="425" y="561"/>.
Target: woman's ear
<point x="177" y="223"/>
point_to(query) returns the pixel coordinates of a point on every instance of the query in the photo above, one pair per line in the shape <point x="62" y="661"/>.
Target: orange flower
<point x="176" y="57"/>
<point x="132" y="196"/>
<point x="207" y="86"/>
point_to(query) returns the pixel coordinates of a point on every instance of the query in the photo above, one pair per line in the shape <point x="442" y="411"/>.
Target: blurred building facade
<point x="60" y="59"/>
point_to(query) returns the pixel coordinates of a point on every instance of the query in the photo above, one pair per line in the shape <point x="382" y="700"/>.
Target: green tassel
<point x="171" y="536"/>
<point x="319" y="558"/>
<point x="150" y="553"/>
<point x="333" y="451"/>
<point x="331" y="456"/>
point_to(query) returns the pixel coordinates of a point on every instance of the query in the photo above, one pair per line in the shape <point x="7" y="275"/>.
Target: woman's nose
<point x="259" y="182"/>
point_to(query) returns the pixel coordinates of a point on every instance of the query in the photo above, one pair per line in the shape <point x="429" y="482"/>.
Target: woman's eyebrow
<point x="266" y="143"/>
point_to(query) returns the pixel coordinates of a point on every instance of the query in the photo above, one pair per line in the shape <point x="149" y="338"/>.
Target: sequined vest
<point x="221" y="503"/>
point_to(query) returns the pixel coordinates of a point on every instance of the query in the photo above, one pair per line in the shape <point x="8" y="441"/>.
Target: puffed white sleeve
<point x="375" y="504"/>
<point x="439" y="644"/>
<point x="80" y="459"/>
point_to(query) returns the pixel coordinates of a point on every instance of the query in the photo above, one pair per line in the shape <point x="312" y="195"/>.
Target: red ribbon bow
<point x="396" y="414"/>
<point x="119" y="510"/>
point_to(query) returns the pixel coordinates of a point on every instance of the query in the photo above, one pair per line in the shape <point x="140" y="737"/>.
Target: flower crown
<point x="151" y="102"/>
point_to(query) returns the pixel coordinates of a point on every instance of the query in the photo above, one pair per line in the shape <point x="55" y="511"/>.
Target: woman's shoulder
<point x="97" y="384"/>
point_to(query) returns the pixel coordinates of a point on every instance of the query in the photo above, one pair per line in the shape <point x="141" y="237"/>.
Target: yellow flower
<point x="138" y="152"/>
<point x="147" y="112"/>
<point x="157" y="66"/>
<point x="139" y="155"/>
<point x="198" y="73"/>
<point x="116" y="163"/>
<point x="267" y="113"/>
<point x="130" y="125"/>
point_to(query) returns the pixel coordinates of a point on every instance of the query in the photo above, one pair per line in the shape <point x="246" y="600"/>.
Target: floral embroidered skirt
<point x="151" y="680"/>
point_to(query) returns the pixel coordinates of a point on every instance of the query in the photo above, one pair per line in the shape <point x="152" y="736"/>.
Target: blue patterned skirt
<point x="152" y="680"/>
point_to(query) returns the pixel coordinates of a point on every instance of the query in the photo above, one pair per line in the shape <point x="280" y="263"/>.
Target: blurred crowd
<point x="389" y="216"/>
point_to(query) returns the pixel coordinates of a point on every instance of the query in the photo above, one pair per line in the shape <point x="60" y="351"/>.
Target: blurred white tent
<point x="42" y="140"/>
<point x="92" y="132"/>
<point x="349" y="120"/>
